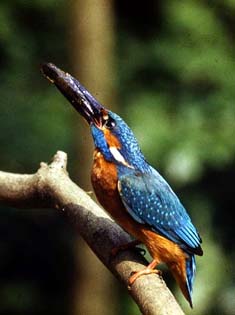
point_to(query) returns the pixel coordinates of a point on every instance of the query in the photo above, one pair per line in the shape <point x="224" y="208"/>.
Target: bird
<point x="135" y="195"/>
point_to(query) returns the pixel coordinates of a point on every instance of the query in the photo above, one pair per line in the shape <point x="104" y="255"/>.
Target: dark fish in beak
<point x="77" y="95"/>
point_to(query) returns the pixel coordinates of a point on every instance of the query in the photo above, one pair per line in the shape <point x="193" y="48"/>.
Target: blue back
<point x="150" y="200"/>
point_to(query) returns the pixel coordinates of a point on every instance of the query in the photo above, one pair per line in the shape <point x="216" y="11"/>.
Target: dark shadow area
<point x="36" y="262"/>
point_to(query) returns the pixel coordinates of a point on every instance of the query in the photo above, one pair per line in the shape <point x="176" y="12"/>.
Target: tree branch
<point x="51" y="187"/>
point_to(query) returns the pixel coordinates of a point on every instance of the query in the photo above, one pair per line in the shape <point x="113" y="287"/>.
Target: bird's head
<point x="111" y="134"/>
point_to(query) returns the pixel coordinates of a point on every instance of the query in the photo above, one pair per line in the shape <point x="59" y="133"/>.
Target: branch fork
<point x="51" y="187"/>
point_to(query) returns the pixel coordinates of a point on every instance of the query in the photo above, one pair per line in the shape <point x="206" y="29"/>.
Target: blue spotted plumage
<point x="129" y="146"/>
<point x="150" y="200"/>
<point x="131" y="190"/>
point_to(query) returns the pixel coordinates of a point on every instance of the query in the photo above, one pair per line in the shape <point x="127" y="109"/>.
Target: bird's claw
<point x="136" y="274"/>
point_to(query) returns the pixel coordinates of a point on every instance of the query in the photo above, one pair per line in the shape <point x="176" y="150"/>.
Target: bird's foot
<point x="126" y="246"/>
<point x="148" y="270"/>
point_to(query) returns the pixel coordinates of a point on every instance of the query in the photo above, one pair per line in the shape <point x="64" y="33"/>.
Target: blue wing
<point x="150" y="200"/>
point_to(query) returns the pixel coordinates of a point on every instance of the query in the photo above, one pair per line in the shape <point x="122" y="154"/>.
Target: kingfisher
<point x="136" y="196"/>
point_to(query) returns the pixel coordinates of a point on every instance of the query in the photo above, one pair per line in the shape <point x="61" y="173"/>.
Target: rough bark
<point x="51" y="187"/>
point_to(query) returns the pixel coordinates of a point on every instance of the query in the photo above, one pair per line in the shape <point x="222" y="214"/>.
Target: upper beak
<point x="78" y="96"/>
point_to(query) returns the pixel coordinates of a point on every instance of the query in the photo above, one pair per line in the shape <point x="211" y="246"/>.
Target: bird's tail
<point x="190" y="275"/>
<point x="184" y="275"/>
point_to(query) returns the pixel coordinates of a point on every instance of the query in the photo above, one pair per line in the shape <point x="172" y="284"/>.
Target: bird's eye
<point x="110" y="123"/>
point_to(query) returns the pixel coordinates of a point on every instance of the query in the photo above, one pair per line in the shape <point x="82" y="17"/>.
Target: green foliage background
<point x="175" y="64"/>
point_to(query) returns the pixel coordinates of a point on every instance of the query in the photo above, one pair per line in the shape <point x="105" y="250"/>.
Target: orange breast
<point x="104" y="180"/>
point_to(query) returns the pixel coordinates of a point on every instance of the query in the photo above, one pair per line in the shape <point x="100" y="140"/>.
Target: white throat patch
<point x="118" y="157"/>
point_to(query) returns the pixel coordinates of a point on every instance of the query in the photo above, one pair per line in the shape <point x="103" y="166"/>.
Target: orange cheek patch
<point x="111" y="139"/>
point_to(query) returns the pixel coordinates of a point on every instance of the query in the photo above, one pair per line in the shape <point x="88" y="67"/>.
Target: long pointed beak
<point x="77" y="95"/>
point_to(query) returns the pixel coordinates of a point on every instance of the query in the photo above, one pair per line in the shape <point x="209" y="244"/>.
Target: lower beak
<point x="77" y="95"/>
